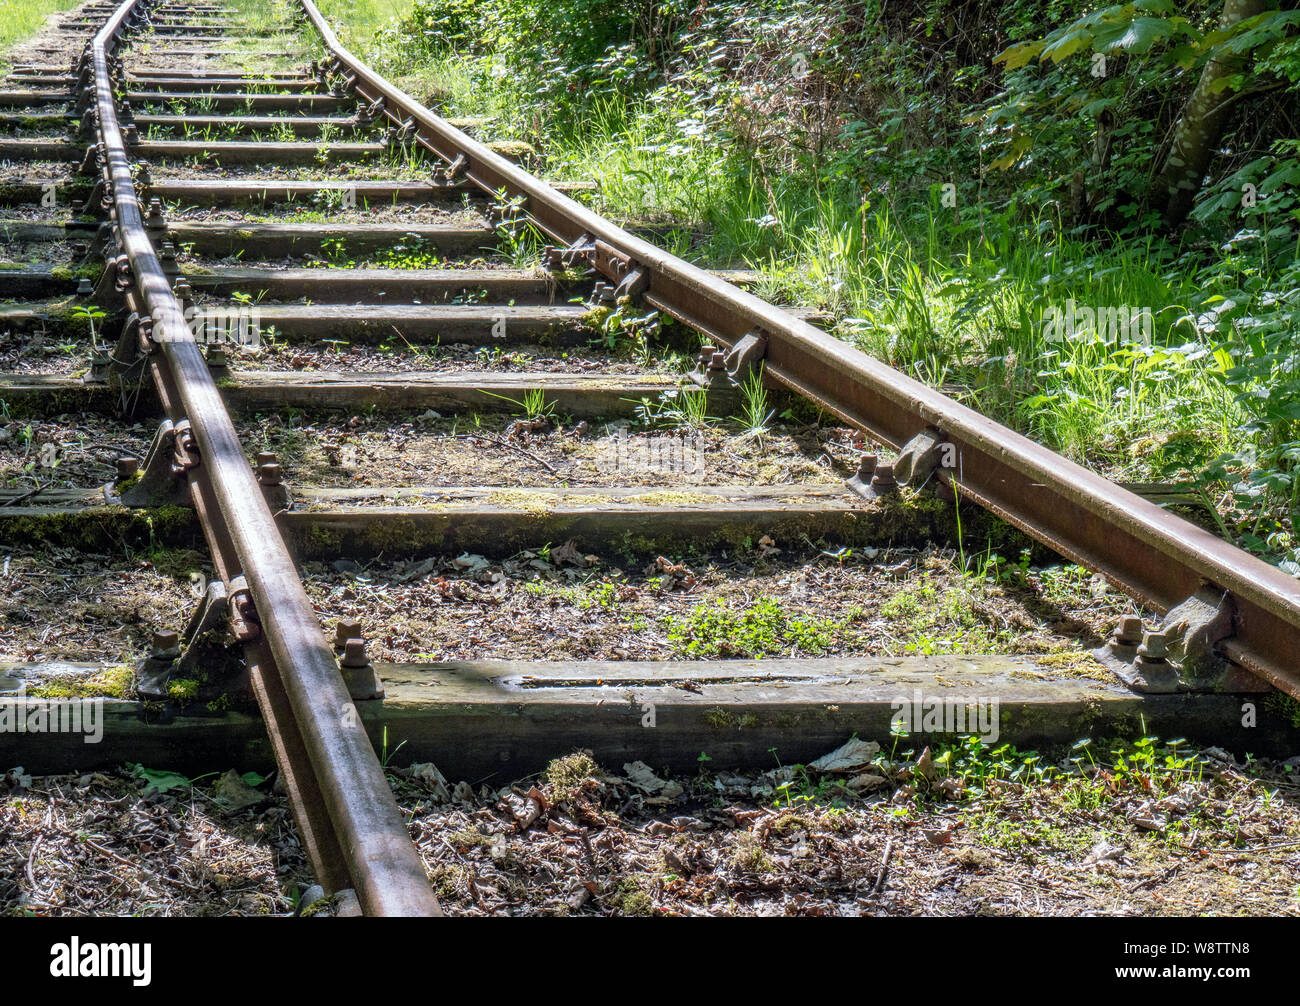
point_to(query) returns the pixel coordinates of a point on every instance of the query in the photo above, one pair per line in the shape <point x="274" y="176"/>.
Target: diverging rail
<point x="350" y="823"/>
<point x="1219" y="601"/>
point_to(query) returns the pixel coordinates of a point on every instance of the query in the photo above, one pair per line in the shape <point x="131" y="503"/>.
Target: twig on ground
<point x="883" y="877"/>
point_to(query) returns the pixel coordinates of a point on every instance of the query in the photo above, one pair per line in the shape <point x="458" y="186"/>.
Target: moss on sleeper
<point x="116" y="682"/>
<point x="89" y="527"/>
<point x="183" y="689"/>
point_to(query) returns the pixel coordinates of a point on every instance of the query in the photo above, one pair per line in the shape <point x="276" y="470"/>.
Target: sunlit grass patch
<point x="22" y="18"/>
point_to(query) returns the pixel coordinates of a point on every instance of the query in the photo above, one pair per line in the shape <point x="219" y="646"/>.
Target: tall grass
<point x="957" y="302"/>
<point x="961" y="305"/>
<point x="357" y="21"/>
<point x="19" y="19"/>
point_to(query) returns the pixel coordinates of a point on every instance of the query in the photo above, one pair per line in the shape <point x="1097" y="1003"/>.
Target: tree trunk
<point x="1201" y="124"/>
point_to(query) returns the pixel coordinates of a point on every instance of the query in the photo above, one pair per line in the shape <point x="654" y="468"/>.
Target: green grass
<point x="356" y="21"/>
<point x="958" y="301"/>
<point x="715" y="628"/>
<point x="20" y="19"/>
<point x="959" y="306"/>
<point x="960" y="309"/>
<point x="941" y="618"/>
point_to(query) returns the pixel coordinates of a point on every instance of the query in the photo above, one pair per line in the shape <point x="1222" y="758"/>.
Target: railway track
<point x="281" y="270"/>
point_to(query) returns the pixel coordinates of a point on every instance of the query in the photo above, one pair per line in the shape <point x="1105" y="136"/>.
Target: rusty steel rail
<point x="353" y="832"/>
<point x="1150" y="554"/>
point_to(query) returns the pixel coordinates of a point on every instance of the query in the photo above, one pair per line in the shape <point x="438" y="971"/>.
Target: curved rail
<point x="350" y="822"/>
<point x="1143" y="550"/>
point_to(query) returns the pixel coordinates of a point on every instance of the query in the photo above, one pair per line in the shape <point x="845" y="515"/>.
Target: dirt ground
<point x="943" y="833"/>
<point x="59" y="604"/>
<point x="880" y="602"/>
<point x="73" y="450"/>
<point x="493" y="450"/>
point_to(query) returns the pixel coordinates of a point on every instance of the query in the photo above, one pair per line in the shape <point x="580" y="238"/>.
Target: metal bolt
<point x="347" y="628"/>
<point x="268" y="474"/>
<point x="84" y="287"/>
<point x="1154" y="647"/>
<point x="127" y="467"/>
<point x="1129" y="630"/>
<point x="866" y="466"/>
<point x="267" y="458"/>
<point x="706" y="353"/>
<point x="354" y="654"/>
<point x="883" y="479"/>
<point x="718" y="361"/>
<point x="166" y="645"/>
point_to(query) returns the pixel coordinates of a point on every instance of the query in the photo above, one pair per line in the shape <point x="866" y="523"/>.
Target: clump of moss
<point x="533" y="503"/>
<point x="722" y="719"/>
<point x="787" y="823"/>
<point x="110" y="683"/>
<point x="319" y="906"/>
<point x="177" y="562"/>
<point x="748" y="856"/>
<point x="1285" y="706"/>
<point x="182" y="689"/>
<point x="627" y="898"/>
<point x="467" y="839"/>
<point x="569" y="776"/>
<point x="761" y="628"/>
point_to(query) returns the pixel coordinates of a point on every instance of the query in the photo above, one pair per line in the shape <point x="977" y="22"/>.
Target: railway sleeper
<point x="581" y="396"/>
<point x="420" y="522"/>
<point x="34" y="98"/>
<point x="271" y="241"/>
<point x="443" y="324"/>
<point x="746" y="712"/>
<point x="287" y="153"/>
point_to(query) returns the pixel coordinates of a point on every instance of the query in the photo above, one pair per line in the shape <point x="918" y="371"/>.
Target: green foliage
<point x="24" y="17"/>
<point x="761" y="628"/>
<point x="568" y="51"/>
<point x="937" y="178"/>
<point x="1086" y="112"/>
<point x="162" y="780"/>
